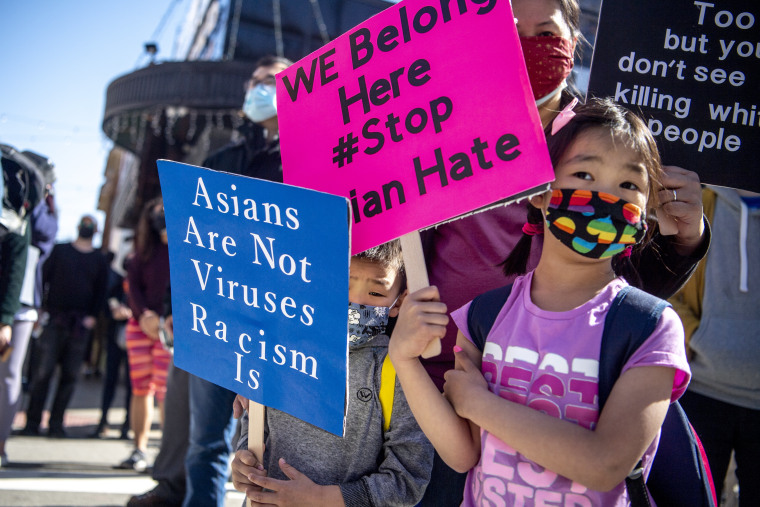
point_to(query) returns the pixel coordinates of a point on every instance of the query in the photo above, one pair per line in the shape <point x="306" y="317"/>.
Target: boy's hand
<point x="298" y="491"/>
<point x="239" y="406"/>
<point x="422" y="318"/>
<point x="244" y="466"/>
<point x="462" y="383"/>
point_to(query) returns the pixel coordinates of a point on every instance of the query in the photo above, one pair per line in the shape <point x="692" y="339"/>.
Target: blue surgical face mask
<point x="260" y="103"/>
<point x="365" y="322"/>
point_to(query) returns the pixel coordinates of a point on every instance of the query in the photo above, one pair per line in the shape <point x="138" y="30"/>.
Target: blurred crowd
<point x="71" y="309"/>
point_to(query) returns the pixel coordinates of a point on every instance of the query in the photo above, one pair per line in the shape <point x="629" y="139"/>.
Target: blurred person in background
<point x="74" y="280"/>
<point x="720" y="310"/>
<point x="169" y="466"/>
<point x="44" y="226"/>
<point x="211" y="422"/>
<point x="148" y="275"/>
<point x="117" y="314"/>
<point x="41" y="228"/>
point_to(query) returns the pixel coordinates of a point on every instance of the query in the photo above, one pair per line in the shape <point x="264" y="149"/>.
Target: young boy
<point x="304" y="465"/>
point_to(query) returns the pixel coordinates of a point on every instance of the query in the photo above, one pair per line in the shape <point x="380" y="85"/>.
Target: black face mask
<point x="86" y="231"/>
<point x="158" y="222"/>
<point x="594" y="224"/>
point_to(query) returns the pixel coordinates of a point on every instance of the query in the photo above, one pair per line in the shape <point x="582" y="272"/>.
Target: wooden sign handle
<point x="416" y="276"/>
<point x="256" y="414"/>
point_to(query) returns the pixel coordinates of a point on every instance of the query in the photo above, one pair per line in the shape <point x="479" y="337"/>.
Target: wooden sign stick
<point x="416" y="276"/>
<point x="256" y="414"/>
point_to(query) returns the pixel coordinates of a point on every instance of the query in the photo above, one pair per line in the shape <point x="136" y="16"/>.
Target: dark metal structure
<point x="183" y="110"/>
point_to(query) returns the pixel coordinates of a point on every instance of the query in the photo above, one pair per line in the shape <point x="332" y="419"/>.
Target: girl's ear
<point x="395" y="308"/>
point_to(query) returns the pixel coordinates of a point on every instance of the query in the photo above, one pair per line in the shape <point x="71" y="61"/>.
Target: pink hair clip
<point x="626" y="252"/>
<point x="564" y="116"/>
<point x="532" y="229"/>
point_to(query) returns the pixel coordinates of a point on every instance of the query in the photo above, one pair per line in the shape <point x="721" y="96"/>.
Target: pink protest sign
<point x="418" y="115"/>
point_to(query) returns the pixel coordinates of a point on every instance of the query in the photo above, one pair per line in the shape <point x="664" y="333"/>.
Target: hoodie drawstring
<point x="743" y="224"/>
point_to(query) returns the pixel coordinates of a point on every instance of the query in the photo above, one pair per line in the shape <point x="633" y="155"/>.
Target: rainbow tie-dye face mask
<point x="594" y="224"/>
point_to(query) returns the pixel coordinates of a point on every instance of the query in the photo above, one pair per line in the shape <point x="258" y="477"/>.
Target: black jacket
<point x="250" y="156"/>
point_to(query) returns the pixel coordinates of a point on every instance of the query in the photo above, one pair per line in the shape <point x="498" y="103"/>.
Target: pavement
<point x="79" y="470"/>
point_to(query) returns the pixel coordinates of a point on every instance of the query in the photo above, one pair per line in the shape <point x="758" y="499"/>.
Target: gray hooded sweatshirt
<point x="726" y="345"/>
<point x="372" y="467"/>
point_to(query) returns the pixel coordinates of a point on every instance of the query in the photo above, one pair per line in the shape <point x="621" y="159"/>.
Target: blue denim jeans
<point x="211" y="430"/>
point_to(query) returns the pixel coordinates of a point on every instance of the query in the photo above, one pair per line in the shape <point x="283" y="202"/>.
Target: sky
<point x="58" y="59"/>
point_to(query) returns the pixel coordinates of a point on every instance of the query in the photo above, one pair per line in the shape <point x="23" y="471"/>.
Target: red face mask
<point x="549" y="61"/>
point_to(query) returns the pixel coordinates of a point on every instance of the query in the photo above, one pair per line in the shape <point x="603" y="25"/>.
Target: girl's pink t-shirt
<point x="550" y="362"/>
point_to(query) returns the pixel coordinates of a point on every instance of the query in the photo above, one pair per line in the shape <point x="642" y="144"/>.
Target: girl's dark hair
<point x="146" y="238"/>
<point x="571" y="15"/>
<point x="623" y="126"/>
<point x="516" y="262"/>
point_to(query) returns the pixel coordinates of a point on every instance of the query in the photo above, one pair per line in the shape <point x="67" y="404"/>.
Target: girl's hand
<point x="422" y="318"/>
<point x="298" y="491"/>
<point x="463" y="383"/>
<point x="681" y="199"/>
<point x="244" y="465"/>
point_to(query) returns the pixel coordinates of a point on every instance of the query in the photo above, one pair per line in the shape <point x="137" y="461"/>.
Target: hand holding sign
<point x="681" y="205"/>
<point x="422" y="321"/>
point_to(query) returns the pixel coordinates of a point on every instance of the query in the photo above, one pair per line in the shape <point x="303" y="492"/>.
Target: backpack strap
<point x="483" y="312"/>
<point x="387" y="390"/>
<point x="631" y="319"/>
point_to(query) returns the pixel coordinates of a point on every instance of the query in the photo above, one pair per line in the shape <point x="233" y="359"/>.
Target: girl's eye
<point x="583" y="175"/>
<point x="628" y="185"/>
<point x="546" y="34"/>
<point x="376" y="294"/>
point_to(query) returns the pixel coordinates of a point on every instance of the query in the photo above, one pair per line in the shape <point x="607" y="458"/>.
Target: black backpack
<point x="24" y="180"/>
<point x="680" y="474"/>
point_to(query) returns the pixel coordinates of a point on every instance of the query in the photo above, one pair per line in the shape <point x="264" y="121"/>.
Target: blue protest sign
<point x="259" y="277"/>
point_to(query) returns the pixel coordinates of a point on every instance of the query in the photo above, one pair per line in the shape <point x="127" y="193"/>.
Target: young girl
<point x="530" y="432"/>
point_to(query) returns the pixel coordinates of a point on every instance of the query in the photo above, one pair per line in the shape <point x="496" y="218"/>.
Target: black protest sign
<point x="692" y="68"/>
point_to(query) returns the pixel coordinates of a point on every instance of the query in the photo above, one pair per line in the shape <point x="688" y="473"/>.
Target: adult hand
<point x="89" y="322"/>
<point x="422" y="318"/>
<point x="462" y="383"/>
<point x="149" y="323"/>
<point x="681" y="200"/>
<point x="5" y="335"/>
<point x="298" y="491"/>
<point x="121" y="312"/>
